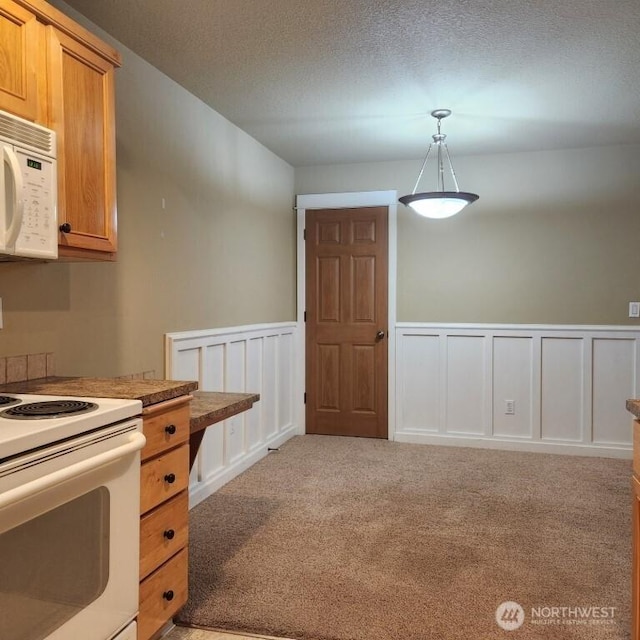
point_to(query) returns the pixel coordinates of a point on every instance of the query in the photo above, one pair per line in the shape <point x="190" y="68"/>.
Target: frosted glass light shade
<point x="439" y="204"/>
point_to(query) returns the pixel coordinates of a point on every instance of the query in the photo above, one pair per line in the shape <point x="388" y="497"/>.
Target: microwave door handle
<point x="136" y="442"/>
<point x="11" y="160"/>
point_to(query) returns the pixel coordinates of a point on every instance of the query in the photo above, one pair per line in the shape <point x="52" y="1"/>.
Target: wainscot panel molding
<point x="548" y="388"/>
<point x="253" y="359"/>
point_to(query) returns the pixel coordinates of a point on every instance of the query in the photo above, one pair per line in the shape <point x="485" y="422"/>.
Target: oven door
<point x="69" y="537"/>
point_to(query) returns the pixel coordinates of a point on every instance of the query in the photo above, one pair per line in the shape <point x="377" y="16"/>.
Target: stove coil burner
<point x="5" y="400"/>
<point x="49" y="409"/>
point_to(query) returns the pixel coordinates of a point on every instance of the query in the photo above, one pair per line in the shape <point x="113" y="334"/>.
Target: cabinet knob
<point x="170" y="478"/>
<point x="65" y="227"/>
<point x="169" y="534"/>
<point x="170" y="429"/>
<point x="168" y="595"/>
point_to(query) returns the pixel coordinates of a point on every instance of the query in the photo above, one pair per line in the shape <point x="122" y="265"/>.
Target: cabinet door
<point x="20" y="56"/>
<point x="82" y="113"/>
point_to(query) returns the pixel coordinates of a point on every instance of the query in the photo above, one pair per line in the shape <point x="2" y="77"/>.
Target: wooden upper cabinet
<point x="57" y="73"/>
<point x="81" y="107"/>
<point x="22" y="83"/>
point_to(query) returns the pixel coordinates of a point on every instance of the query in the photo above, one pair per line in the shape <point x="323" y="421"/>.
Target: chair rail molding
<point x="547" y="388"/>
<point x="252" y="358"/>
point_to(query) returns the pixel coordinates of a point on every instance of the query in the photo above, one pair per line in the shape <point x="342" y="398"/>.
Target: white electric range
<point x="69" y="516"/>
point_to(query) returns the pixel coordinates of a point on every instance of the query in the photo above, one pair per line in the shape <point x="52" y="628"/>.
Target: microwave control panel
<point x="38" y="236"/>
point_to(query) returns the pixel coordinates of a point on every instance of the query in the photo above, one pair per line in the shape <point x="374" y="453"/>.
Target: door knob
<point x="380" y="335"/>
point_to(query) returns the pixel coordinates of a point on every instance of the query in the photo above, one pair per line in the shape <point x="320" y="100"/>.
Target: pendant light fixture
<point x="441" y="203"/>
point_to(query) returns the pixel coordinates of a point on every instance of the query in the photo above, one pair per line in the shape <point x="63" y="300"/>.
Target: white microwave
<point x="28" y="190"/>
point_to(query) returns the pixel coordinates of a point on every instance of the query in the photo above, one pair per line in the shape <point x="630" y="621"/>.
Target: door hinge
<point x="304" y="234"/>
<point x="305" y="397"/>
<point x="305" y="316"/>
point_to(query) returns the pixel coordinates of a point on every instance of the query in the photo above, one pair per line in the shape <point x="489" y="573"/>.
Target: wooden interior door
<point x="346" y="321"/>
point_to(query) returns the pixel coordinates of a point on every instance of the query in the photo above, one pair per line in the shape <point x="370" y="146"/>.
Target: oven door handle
<point x="58" y="477"/>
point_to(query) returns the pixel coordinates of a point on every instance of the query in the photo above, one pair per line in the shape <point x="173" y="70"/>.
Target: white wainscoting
<point x="255" y="358"/>
<point x="568" y="385"/>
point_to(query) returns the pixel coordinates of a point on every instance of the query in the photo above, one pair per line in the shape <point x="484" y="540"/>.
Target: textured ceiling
<point x="326" y="81"/>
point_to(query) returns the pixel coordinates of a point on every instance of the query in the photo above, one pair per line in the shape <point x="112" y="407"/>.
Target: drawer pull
<point x="169" y="534"/>
<point x="170" y="429"/>
<point x="168" y="595"/>
<point x="170" y="478"/>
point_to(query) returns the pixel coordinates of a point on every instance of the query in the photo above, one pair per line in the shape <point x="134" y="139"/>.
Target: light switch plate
<point x="634" y="309"/>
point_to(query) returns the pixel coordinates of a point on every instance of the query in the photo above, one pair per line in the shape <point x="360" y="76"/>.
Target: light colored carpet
<point x="353" y="539"/>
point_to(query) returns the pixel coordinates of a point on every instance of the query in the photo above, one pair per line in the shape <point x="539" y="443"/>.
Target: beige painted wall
<point x="221" y="252"/>
<point x="554" y="237"/>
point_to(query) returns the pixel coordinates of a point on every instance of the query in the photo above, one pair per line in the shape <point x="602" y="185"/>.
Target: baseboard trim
<point x="564" y="448"/>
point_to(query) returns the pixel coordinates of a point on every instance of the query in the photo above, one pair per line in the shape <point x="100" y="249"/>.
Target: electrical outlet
<point x="634" y="309"/>
<point x="509" y="407"/>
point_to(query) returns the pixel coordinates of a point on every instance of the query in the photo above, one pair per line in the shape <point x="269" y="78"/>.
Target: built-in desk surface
<point x="209" y="407"/>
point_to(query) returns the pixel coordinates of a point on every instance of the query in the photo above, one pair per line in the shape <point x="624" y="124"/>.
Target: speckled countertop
<point x="633" y="406"/>
<point x="209" y="407"/>
<point x="148" y="391"/>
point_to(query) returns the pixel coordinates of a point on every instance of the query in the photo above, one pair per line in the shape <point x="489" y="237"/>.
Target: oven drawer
<point x="165" y="426"/>
<point x="163" y="532"/>
<point x="162" y="594"/>
<point x="164" y="477"/>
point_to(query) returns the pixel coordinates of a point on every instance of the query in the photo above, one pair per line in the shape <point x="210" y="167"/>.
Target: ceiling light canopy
<point x="441" y="203"/>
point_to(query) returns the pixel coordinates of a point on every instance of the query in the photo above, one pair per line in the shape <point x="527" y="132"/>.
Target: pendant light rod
<point x="453" y="173"/>
<point x="424" y="164"/>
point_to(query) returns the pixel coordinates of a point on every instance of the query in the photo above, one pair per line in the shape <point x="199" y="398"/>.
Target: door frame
<point x="350" y="200"/>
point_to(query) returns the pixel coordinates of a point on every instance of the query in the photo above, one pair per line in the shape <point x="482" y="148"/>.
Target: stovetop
<point x="29" y="421"/>
<point x="42" y="410"/>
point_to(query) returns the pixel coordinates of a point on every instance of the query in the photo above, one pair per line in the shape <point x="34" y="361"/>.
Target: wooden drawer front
<point x="165" y="427"/>
<point x="162" y="594"/>
<point x="163" y="532"/>
<point x="164" y="477"/>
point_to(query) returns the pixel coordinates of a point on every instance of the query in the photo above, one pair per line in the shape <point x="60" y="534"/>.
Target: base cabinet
<point x="164" y="509"/>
